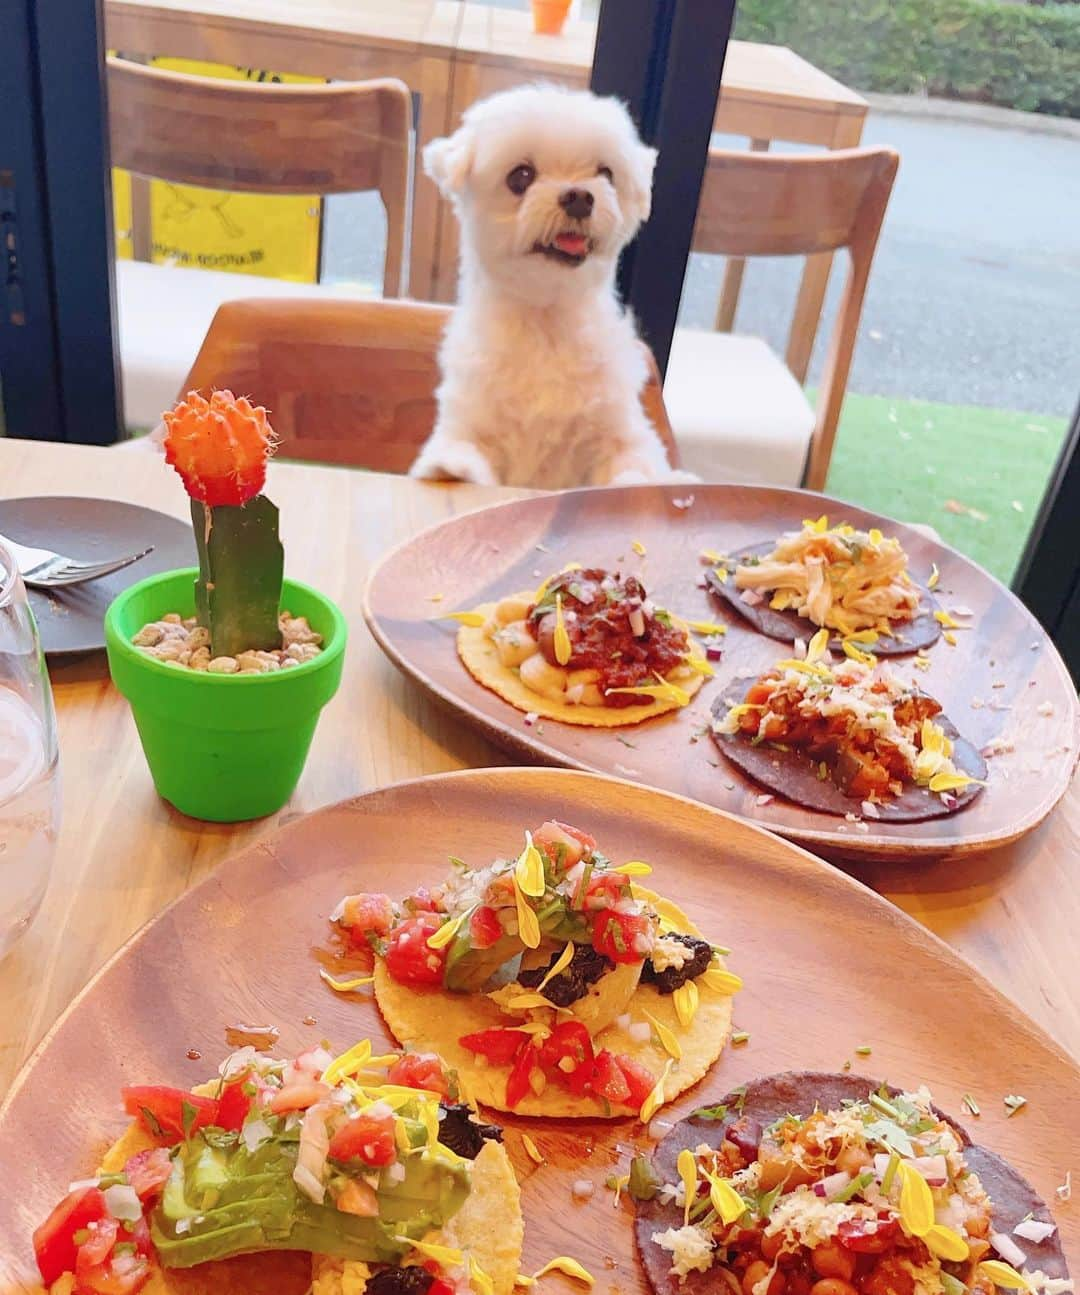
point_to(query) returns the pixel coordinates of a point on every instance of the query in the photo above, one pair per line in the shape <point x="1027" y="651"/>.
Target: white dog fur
<point x="542" y="369"/>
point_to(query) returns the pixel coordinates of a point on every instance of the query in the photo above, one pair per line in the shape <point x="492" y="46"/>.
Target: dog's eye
<point x="520" y="178"/>
<point x="605" y="171"/>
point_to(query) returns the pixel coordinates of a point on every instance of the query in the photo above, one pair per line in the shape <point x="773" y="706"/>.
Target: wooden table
<point x="451" y="54"/>
<point x="124" y="854"/>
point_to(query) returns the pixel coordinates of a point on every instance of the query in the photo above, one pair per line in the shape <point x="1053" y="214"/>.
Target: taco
<point x="553" y="984"/>
<point x="853" y="583"/>
<point x="588" y="647"/>
<point x="337" y="1176"/>
<point x="845" y="738"/>
<point x="819" y="1184"/>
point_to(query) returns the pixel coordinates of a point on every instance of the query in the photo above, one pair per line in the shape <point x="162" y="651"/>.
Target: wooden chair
<point x="345" y="382"/>
<point x="738" y="410"/>
<point x="244" y="137"/>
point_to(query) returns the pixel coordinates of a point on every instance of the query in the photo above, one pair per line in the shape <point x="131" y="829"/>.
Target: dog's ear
<point x="642" y="164"/>
<point x="448" y="161"/>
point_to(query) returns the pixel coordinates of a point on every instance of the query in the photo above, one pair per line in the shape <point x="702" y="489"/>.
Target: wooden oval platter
<point x="829" y="967"/>
<point x="1003" y="682"/>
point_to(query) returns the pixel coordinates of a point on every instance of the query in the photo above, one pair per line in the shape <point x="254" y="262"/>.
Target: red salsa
<point x="613" y="628"/>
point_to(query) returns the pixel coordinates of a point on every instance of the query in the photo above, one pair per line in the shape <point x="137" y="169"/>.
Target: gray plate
<point x="72" y="620"/>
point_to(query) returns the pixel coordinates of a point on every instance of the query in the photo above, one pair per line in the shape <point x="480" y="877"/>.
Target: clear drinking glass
<point x="29" y="761"/>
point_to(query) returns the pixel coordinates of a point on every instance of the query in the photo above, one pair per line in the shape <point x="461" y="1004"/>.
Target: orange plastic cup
<point x="549" y="16"/>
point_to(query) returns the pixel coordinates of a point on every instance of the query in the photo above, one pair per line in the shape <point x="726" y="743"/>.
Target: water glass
<point x="29" y="761"/>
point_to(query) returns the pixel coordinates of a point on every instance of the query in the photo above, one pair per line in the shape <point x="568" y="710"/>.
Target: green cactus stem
<point x="241" y="562"/>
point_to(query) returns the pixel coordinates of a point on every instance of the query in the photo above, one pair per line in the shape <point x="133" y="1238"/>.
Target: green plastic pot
<point x="222" y="747"/>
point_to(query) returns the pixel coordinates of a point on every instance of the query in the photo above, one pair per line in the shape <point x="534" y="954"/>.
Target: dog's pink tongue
<point x="571" y="244"/>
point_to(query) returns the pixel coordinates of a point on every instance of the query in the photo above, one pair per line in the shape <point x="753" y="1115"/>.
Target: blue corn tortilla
<point x="787" y="626"/>
<point x="794" y="775"/>
<point x="770" y="1098"/>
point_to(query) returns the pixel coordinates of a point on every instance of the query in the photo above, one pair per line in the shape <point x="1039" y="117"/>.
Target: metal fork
<point x="43" y="569"/>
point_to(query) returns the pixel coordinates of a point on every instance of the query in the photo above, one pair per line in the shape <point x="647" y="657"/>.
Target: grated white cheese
<point x="691" y="1249"/>
<point x="810" y="1219"/>
<point x="1044" y="1285"/>
<point x="670" y="953"/>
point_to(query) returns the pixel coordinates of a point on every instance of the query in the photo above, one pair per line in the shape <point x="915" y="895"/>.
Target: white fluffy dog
<point x="542" y="370"/>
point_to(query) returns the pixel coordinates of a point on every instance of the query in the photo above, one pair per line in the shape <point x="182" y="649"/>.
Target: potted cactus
<point x="226" y="667"/>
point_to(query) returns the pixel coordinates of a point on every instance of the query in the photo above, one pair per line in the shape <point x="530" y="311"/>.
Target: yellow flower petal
<point x="348" y="1063"/>
<point x="946" y="1244"/>
<point x="867" y="658"/>
<point x="526" y="1002"/>
<point x="558" y="966"/>
<point x="935" y="576"/>
<point x="707" y="627"/>
<point x="571" y="566"/>
<point x="571" y="1267"/>
<point x="725" y="1200"/>
<point x="522" y="1280"/>
<point x="821" y="525"/>
<point x="710" y="555"/>
<point x="655" y="1099"/>
<point x="949" y="638"/>
<point x="724" y="982"/>
<point x="345" y="986"/>
<point x="442" y="937"/>
<point x="633" y="869"/>
<point x="818" y="646"/>
<point x="473" y="619"/>
<point x="722" y="574"/>
<point x="699" y="665"/>
<point x="685" y="1000"/>
<point x="638" y="548"/>
<point x="668" y="1041"/>
<point x="863" y="636"/>
<point x="943" y="618"/>
<point x="687" y="1167"/>
<point x="663" y="690"/>
<point x="1002" y="1274"/>
<point x="531" y="1149"/>
<point x="564" y="649"/>
<point x="528" y="926"/>
<point x="952" y="782"/>
<point x="444" y="1256"/>
<point x="529" y="869"/>
<point x="479" y="1280"/>
<point x="874" y="535"/>
<point x="916" y="1201"/>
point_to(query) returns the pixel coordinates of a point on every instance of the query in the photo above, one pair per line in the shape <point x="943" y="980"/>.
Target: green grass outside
<point x="976" y="475"/>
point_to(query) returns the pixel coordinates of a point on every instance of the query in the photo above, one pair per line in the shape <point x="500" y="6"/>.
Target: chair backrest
<point x="350" y="382"/>
<point x="769" y="204"/>
<point x="258" y="137"/>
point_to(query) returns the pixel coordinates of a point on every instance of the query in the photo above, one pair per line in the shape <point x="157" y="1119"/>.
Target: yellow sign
<point x="245" y="233"/>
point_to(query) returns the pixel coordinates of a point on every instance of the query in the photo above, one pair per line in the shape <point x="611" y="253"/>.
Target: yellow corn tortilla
<point x="433" y="1020"/>
<point x="481" y="659"/>
<point x="488" y="1226"/>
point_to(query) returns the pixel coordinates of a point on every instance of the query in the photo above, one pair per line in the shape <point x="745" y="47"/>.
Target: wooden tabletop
<point x="123" y="854"/>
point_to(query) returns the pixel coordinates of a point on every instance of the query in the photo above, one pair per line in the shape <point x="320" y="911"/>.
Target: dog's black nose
<point x="576" y="202"/>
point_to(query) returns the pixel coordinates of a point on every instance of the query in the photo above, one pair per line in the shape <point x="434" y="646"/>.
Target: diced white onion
<point x="640" y="1031"/>
<point x="311" y="1154"/>
<point x="881" y="1164"/>
<point x="932" y="1168"/>
<point x="181" y="1226"/>
<point x="623" y="1022"/>
<point x="255" y="1132"/>
<point x="583" y="1188"/>
<point x="239" y="1061"/>
<point x="123" y="1203"/>
<point x="751" y="597"/>
<point x="637" y="622"/>
<point x="1008" y="1249"/>
<point x="827" y="1186"/>
<point x="1034" y="1230"/>
<point x="309" y="1184"/>
<point x="339" y="910"/>
<point x="379" y="1110"/>
<point x="395" y="1173"/>
<point x="81" y="1184"/>
<point x="575" y="694"/>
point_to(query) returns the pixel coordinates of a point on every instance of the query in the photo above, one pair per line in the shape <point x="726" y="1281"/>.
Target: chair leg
<point x="734" y="268"/>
